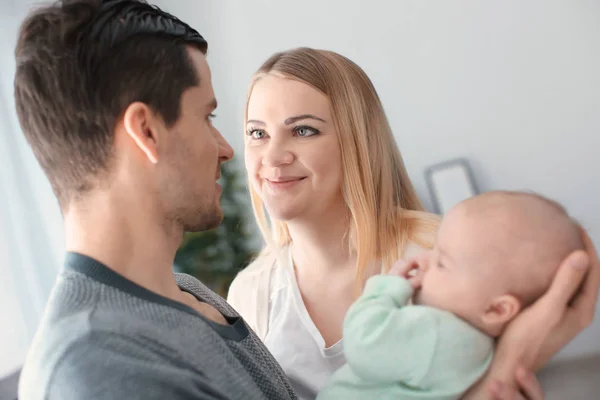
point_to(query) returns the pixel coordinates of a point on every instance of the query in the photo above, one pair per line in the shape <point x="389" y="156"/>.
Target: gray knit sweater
<point x="104" y="337"/>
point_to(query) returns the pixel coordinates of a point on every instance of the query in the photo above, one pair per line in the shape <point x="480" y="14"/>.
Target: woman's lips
<point x="284" y="183"/>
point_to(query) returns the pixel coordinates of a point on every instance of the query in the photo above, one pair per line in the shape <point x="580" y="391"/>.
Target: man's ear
<point x="501" y="310"/>
<point x="141" y="125"/>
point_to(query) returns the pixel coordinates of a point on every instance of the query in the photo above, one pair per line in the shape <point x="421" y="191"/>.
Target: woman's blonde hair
<point x="385" y="210"/>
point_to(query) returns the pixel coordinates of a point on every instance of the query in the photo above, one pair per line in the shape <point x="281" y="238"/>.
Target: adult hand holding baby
<point x="540" y="331"/>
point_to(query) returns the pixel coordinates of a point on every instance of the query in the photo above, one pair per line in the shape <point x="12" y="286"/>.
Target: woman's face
<point x="293" y="157"/>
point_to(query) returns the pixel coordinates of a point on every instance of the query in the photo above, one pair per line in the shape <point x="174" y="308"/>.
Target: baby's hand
<point x="410" y="271"/>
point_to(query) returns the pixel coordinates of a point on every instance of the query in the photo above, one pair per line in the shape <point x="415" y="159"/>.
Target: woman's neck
<point x="323" y="243"/>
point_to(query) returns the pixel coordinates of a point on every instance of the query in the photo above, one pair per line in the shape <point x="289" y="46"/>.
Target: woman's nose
<point x="278" y="153"/>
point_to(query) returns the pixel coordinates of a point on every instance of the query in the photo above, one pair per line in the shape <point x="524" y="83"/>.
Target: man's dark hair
<point x="79" y="64"/>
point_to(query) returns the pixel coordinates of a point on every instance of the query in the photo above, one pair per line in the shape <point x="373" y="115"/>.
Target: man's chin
<point x="207" y="221"/>
<point x="218" y="219"/>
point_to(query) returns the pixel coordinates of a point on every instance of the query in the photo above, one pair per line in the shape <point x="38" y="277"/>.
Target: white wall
<point x="513" y="85"/>
<point x="31" y="228"/>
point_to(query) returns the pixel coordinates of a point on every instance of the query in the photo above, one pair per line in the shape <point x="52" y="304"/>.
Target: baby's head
<point x="495" y="254"/>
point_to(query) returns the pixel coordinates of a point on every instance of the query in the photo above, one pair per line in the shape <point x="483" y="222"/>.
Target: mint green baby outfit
<point x="399" y="351"/>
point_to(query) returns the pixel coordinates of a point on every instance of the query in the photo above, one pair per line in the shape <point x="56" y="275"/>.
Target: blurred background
<point x="512" y="87"/>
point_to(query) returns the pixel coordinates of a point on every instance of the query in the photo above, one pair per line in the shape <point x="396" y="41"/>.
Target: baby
<point x="495" y="254"/>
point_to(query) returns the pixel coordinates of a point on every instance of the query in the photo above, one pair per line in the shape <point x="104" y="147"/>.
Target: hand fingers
<point x="420" y="275"/>
<point x="588" y="295"/>
<point x="500" y="391"/>
<point x="495" y="390"/>
<point x="416" y="281"/>
<point x="397" y="268"/>
<point x="567" y="280"/>
<point x="529" y="385"/>
<point x="402" y="268"/>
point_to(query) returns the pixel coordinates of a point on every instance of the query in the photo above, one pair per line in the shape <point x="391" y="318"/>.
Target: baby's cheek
<point x="436" y="293"/>
<point x="425" y="295"/>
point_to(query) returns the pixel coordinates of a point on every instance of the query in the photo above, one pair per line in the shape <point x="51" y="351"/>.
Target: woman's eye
<point x="256" y="134"/>
<point x="305" y="131"/>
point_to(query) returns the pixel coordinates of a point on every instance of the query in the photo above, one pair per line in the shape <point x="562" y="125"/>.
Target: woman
<point x="322" y="161"/>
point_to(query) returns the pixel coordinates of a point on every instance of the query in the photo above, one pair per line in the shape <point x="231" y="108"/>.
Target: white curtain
<point x="31" y="228"/>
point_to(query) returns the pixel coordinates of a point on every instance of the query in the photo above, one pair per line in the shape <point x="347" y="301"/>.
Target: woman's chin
<point x="282" y="214"/>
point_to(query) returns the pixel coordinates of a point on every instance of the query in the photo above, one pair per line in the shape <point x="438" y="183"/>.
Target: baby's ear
<point x="501" y="310"/>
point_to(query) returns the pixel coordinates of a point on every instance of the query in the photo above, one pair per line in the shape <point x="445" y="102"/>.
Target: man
<point x="115" y="99"/>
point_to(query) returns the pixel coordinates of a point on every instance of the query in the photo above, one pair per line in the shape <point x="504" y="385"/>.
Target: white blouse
<point x="267" y="296"/>
<point x="293" y="338"/>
